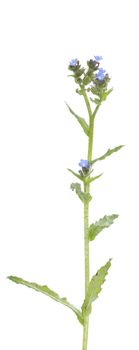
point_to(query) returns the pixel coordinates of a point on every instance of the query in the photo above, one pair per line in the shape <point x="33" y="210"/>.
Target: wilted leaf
<point x="107" y="154"/>
<point x="95" y="287"/>
<point x="47" y="291"/>
<point x="85" y="197"/>
<point x="99" y="225"/>
<point x="80" y="120"/>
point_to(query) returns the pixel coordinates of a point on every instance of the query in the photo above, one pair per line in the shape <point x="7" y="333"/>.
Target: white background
<point x="41" y="227"/>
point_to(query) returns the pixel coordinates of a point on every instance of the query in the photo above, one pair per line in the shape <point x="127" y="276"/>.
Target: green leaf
<point x="95" y="100"/>
<point x="89" y="180"/>
<point x="94" y="287"/>
<point x="75" y="174"/>
<point x="102" y="96"/>
<point x="84" y="197"/>
<point x="107" y="154"/>
<point x="85" y="179"/>
<point x="47" y="291"/>
<point x="98" y="226"/>
<point x="105" y="94"/>
<point x="81" y="121"/>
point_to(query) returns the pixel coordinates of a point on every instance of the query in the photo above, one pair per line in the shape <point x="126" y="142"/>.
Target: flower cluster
<point x="94" y="79"/>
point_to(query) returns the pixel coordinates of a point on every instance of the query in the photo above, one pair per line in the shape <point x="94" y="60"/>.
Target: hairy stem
<point x="86" y="257"/>
<point x="86" y="212"/>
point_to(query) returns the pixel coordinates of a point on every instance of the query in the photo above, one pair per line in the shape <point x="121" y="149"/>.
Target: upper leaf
<point x="47" y="291"/>
<point x="86" y="179"/>
<point x="105" y="94"/>
<point x="94" y="287"/>
<point x="84" y="197"/>
<point x="91" y="179"/>
<point x="99" y="225"/>
<point x="107" y="154"/>
<point x="76" y="175"/>
<point x="80" y="120"/>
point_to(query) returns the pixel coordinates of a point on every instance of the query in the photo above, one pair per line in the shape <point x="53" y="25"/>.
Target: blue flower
<point x="98" y="58"/>
<point x="101" y="74"/>
<point x="74" y="62"/>
<point x="84" y="164"/>
<point x="101" y="70"/>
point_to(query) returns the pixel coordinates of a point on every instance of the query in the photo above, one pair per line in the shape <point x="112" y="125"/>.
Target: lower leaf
<point x="94" y="288"/>
<point x="47" y="291"/>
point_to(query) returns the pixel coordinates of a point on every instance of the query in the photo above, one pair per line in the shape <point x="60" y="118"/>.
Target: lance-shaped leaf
<point x="91" y="179"/>
<point x="80" y="120"/>
<point x="47" y="291"/>
<point x="94" y="287"/>
<point x="107" y="154"/>
<point x="85" y="179"/>
<point x="75" y="174"/>
<point x="99" y="225"/>
<point x="84" y="197"/>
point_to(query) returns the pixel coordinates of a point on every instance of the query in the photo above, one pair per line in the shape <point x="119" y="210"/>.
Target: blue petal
<point x="98" y="58"/>
<point x="74" y="62"/>
<point x="84" y="163"/>
<point x="100" y="76"/>
<point x="101" y="70"/>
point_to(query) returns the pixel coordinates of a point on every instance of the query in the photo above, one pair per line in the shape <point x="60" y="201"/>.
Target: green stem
<point x="86" y="213"/>
<point x="91" y="133"/>
<point x="86" y="257"/>
<point x="87" y="102"/>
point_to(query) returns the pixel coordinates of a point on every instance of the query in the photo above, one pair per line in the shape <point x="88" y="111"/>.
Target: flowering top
<point x="74" y="62"/>
<point x="92" y="79"/>
<point x="84" y="164"/>
<point x="98" y="58"/>
<point x="100" y="75"/>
